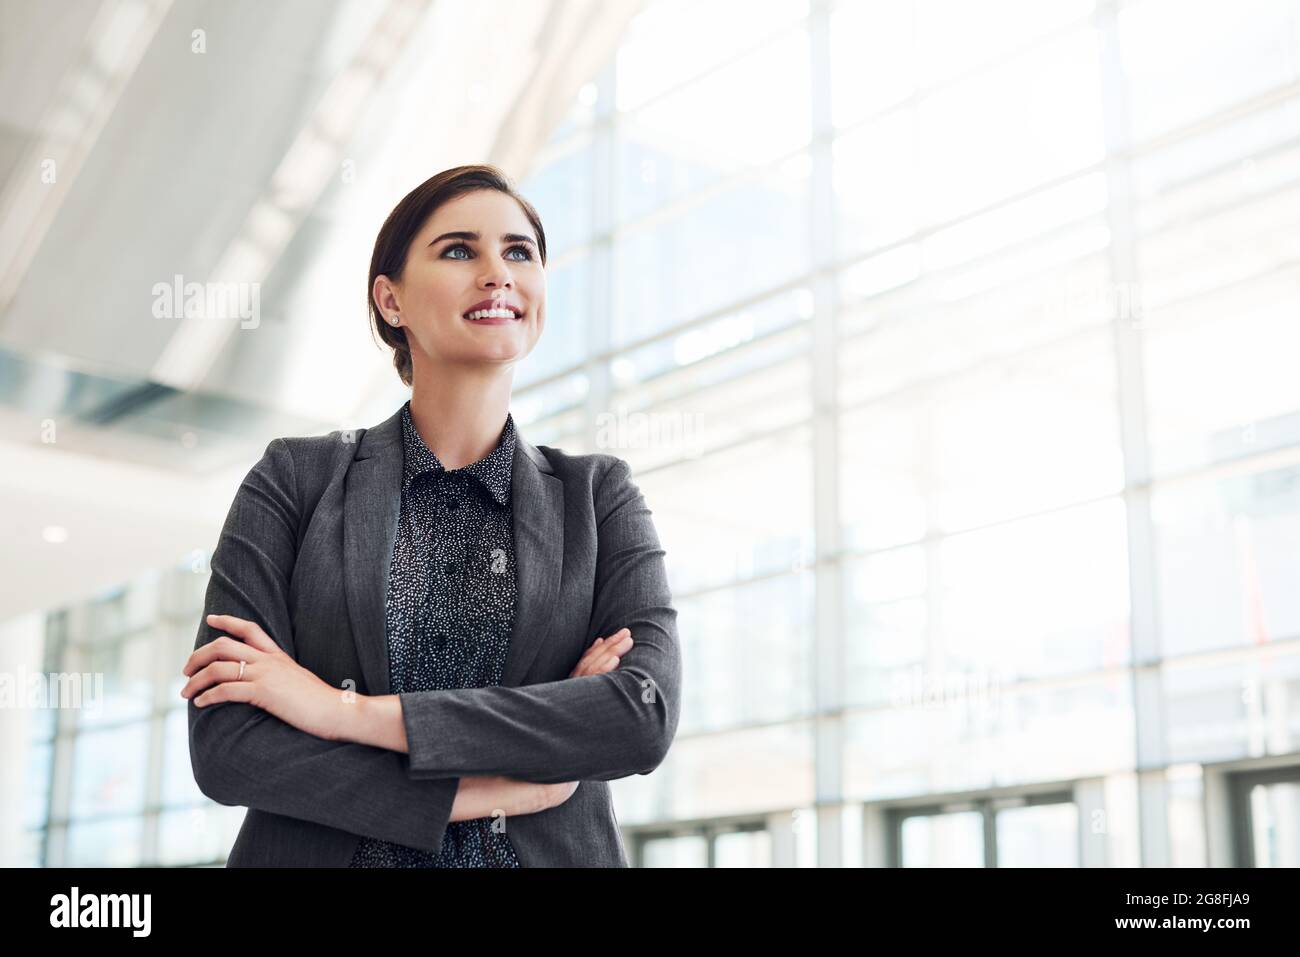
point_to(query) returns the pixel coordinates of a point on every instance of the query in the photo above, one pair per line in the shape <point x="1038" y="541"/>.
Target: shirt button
<point x="453" y="503"/>
<point x="451" y="568"/>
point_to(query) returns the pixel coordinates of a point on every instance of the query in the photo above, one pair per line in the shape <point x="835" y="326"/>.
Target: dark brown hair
<point x="405" y="222"/>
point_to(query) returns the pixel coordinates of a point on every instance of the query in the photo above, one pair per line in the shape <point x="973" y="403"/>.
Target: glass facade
<point x="949" y="344"/>
<point x="110" y="781"/>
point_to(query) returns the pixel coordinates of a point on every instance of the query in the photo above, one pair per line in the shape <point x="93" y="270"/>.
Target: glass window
<point x="1227" y="560"/>
<point x="1275" y="824"/>
<point x="552" y="398"/>
<point x="1020" y="124"/>
<point x="750" y="386"/>
<point x="954" y="37"/>
<point x="125" y="670"/>
<point x="581" y="113"/>
<point x="954" y="322"/>
<point x="743" y="771"/>
<point x="877" y="183"/>
<point x="689" y="851"/>
<point x="36" y="805"/>
<point x="1218" y="166"/>
<point x="568" y="308"/>
<point x="561" y="192"/>
<point x="1043" y="596"/>
<point x="30" y="851"/>
<point x="1186" y="806"/>
<point x="657" y="54"/>
<point x="44" y="720"/>
<point x="1185" y="59"/>
<point x="885" y="624"/>
<point x="940" y="736"/>
<point x="1220" y="378"/>
<point x="873" y="57"/>
<point x="178" y="786"/>
<point x="696" y="135"/>
<point x="749" y="650"/>
<point x="746" y="511"/>
<point x="749" y="236"/>
<point x="197" y="835"/>
<point x="943" y="840"/>
<point x="1009" y="438"/>
<point x="1230" y="708"/>
<point x="110" y="770"/>
<point x="1038" y="835"/>
<point x="743" y="849"/>
<point x="107" y="842"/>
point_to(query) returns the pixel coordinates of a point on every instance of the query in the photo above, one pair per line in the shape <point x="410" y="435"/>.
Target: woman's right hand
<point x="488" y="795"/>
<point x="604" y="654"/>
<point x="485" y="795"/>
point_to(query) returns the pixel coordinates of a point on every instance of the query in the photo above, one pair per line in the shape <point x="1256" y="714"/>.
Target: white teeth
<point x="490" y="314"/>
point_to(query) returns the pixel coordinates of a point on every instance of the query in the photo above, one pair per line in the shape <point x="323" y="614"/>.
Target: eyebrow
<point x="467" y="234"/>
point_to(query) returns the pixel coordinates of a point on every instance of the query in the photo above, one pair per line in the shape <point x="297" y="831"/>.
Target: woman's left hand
<point x="272" y="680"/>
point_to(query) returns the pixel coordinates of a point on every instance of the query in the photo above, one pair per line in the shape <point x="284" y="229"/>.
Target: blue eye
<point x="527" y="257"/>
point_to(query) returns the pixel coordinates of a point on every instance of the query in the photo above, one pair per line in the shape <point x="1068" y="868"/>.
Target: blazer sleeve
<point x="593" y="728"/>
<point x="242" y="755"/>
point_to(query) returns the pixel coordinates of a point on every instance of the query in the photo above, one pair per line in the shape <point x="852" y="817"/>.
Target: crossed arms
<point x="596" y="727"/>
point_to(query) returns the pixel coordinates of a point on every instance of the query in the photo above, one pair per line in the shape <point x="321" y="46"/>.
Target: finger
<point x="606" y="663"/>
<point x="224" y="648"/>
<point x="250" y="631"/>
<point x="615" y="651"/>
<point x="592" y="653"/>
<point x="596" y="659"/>
<point x="599" y="647"/>
<point x="226" y="691"/>
<point x="219" y="649"/>
<point x="587" y="666"/>
<point x="213" y="674"/>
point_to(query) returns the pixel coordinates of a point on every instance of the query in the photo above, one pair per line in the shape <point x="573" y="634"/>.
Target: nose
<point x="496" y="274"/>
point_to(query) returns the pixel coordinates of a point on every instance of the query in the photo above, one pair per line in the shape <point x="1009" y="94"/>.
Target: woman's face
<point x="450" y="274"/>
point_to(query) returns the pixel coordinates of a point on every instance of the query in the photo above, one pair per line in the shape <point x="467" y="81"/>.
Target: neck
<point x="460" y="410"/>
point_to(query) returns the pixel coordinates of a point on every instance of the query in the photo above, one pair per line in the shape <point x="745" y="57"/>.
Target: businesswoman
<point x="431" y="643"/>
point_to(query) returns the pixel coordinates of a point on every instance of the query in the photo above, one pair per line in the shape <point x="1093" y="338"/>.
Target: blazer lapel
<point x="372" y="500"/>
<point x="537" y="495"/>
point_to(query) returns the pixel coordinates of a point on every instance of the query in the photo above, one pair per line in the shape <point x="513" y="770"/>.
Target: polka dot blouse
<point x="450" y="608"/>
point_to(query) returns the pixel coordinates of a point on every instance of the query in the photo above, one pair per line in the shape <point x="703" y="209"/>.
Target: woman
<point x="431" y="643"/>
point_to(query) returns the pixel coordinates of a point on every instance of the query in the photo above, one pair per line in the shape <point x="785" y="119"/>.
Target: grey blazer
<point x="305" y="553"/>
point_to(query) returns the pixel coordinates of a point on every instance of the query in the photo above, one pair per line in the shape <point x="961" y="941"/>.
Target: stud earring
<point x="394" y="320"/>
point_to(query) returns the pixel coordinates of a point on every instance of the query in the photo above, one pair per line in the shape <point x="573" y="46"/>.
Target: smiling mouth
<point x="498" y="313"/>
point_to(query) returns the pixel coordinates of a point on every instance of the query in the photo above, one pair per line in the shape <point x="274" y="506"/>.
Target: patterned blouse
<point x="450" y="608"/>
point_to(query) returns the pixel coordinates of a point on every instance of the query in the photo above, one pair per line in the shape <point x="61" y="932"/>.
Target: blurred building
<point x="951" y="344"/>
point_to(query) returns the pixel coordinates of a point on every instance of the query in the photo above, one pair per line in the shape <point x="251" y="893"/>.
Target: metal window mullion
<point x="828" y="650"/>
<point x="597" y="355"/>
<point x="1148" y="698"/>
